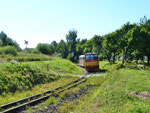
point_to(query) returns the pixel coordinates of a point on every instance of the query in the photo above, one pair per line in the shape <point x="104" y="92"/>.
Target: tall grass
<point x="10" y="97"/>
<point x="23" y="76"/>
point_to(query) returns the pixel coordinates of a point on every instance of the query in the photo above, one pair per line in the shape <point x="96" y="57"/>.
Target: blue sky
<point x="42" y="21"/>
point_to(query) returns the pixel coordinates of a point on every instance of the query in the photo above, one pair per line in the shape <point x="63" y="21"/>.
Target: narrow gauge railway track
<point x="21" y="104"/>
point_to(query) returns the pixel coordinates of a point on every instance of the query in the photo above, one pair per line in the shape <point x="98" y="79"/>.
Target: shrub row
<point x="8" y="50"/>
<point x="21" y="77"/>
<point x="22" y="57"/>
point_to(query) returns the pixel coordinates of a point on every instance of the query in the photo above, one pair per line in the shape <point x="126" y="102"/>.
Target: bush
<point x="14" y="62"/>
<point x="2" y="51"/>
<point x="32" y="50"/>
<point x="45" y="48"/>
<point x="70" y="57"/>
<point x="22" y="57"/>
<point x="8" y="50"/>
<point x="118" y="66"/>
<point x="20" y="77"/>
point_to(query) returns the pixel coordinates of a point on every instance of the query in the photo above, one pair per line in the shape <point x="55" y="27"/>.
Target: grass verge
<point x="23" y="76"/>
<point x="35" y="90"/>
<point x="112" y="93"/>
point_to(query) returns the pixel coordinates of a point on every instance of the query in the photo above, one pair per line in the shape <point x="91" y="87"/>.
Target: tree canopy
<point x="129" y="42"/>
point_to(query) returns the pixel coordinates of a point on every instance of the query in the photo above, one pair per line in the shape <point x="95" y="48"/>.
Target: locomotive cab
<point x="91" y="62"/>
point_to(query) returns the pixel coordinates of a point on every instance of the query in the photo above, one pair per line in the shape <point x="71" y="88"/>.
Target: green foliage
<point x="23" y="56"/>
<point x="62" y="49"/>
<point x="80" y="46"/>
<point x="59" y="65"/>
<point x="131" y="42"/>
<point x="70" y="56"/>
<point x="88" y="47"/>
<point x="110" y="46"/>
<point x="6" y="41"/>
<point x="32" y="50"/>
<point x="101" y="57"/>
<point x="71" y="38"/>
<point x="8" y="50"/>
<point x="50" y="101"/>
<point x="118" y="66"/>
<point x="112" y="93"/>
<point x="45" y="49"/>
<point x="16" y="76"/>
<point x="54" y="44"/>
<point x="21" y="77"/>
<point x="97" y="44"/>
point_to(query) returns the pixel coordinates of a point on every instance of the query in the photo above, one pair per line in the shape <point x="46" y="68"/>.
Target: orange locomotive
<point x="90" y="61"/>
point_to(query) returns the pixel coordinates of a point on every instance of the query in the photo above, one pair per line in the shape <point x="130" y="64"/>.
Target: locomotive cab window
<point x="95" y="56"/>
<point x="91" y="57"/>
<point x="87" y="57"/>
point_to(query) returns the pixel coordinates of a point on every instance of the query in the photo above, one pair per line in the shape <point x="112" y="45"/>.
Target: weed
<point x="50" y="101"/>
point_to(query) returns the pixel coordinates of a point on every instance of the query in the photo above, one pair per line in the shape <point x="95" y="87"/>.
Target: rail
<point x="35" y="99"/>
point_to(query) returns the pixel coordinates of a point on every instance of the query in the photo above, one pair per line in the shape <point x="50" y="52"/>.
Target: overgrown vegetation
<point x="10" y="97"/>
<point x="59" y="66"/>
<point x="25" y="57"/>
<point x="8" y="50"/>
<point x="45" y="49"/>
<point x="112" y="92"/>
<point x="23" y="76"/>
<point x="6" y="41"/>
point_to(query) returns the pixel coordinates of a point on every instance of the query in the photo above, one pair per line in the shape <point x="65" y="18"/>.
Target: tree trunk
<point x="108" y="58"/>
<point x="124" y="57"/>
<point x="123" y="60"/>
<point x="114" y="57"/>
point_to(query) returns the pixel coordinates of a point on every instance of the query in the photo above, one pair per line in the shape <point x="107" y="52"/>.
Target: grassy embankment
<point x="24" y="79"/>
<point x="113" y="92"/>
<point x="22" y="57"/>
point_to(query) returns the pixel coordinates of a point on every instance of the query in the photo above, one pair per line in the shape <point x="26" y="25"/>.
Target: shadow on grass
<point x="102" y="70"/>
<point x="99" y="71"/>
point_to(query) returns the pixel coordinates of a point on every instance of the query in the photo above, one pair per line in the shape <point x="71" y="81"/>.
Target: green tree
<point x="134" y="43"/>
<point x="71" y="38"/>
<point x="6" y="41"/>
<point x="54" y="44"/>
<point x="106" y="50"/>
<point x="145" y="39"/>
<point x="45" y="48"/>
<point x="62" y="49"/>
<point x="97" y="44"/>
<point x="114" y="45"/>
<point x="123" y="39"/>
<point x="80" y="46"/>
<point x="88" y="47"/>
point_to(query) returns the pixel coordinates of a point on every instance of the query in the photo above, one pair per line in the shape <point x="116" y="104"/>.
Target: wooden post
<point x="47" y="67"/>
<point x="143" y="67"/>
